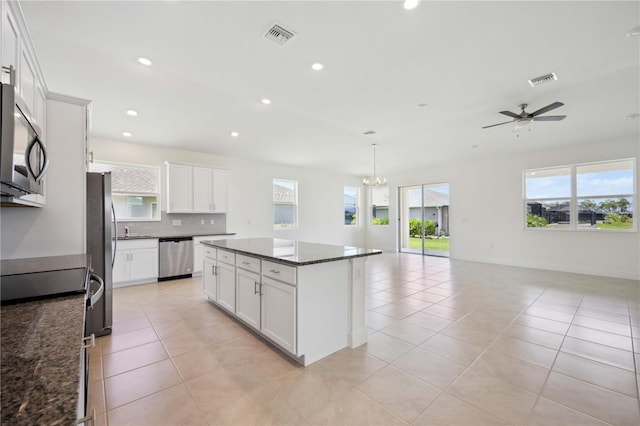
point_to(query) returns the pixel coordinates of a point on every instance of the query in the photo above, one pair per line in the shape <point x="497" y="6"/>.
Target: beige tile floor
<point x="450" y="342"/>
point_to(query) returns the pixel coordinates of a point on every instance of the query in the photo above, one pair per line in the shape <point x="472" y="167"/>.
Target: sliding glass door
<point x="424" y="219"/>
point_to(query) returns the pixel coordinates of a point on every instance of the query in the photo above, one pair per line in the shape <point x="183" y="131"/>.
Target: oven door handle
<point x="94" y="297"/>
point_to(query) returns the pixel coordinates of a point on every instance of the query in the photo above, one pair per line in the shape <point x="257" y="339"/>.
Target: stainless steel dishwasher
<point x="175" y="258"/>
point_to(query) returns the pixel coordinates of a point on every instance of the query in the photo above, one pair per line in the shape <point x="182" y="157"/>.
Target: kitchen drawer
<point x="279" y="272"/>
<point x="249" y="263"/>
<point x="209" y="252"/>
<point x="227" y="257"/>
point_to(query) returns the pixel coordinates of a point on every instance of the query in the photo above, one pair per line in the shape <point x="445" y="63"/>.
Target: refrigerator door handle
<point x="115" y="234"/>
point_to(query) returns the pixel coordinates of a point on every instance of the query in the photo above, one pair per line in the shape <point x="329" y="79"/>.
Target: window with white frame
<point x="285" y="204"/>
<point x="351" y="205"/>
<point x="590" y="196"/>
<point x="379" y="205"/>
<point x="135" y="190"/>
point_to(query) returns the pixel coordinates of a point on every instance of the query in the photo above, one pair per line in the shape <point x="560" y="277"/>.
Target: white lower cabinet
<point x="248" y="297"/>
<point x="136" y="262"/>
<point x="219" y="277"/>
<point x="209" y="279"/>
<point x="278" y="317"/>
<point x="226" y="286"/>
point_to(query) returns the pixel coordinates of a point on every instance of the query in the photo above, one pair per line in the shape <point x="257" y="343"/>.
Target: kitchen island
<point x="42" y="357"/>
<point x="306" y="298"/>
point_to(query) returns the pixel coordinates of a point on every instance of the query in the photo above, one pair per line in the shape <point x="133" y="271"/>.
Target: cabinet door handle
<point x="255" y="287"/>
<point x="261" y="293"/>
<point x="213" y="270"/>
<point x="89" y="342"/>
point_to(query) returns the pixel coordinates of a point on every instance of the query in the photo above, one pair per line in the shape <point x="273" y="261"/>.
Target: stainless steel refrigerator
<point x="101" y="244"/>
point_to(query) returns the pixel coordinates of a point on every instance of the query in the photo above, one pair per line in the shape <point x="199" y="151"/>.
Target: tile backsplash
<point x="178" y="224"/>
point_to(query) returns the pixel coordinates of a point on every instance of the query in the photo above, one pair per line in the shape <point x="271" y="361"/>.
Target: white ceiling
<point x="465" y="60"/>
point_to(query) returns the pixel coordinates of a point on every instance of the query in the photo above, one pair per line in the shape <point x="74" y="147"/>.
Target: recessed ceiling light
<point x="317" y="66"/>
<point x="266" y="101"/>
<point x="420" y="106"/>
<point x="145" y="61"/>
<point x="132" y="112"/>
<point x="235" y="134"/>
<point x="410" y="4"/>
<point x="127" y="134"/>
<point x="634" y="31"/>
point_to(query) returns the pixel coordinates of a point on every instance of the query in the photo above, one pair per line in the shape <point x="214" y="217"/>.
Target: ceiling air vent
<point x="369" y="133"/>
<point x="542" y="79"/>
<point x="278" y="34"/>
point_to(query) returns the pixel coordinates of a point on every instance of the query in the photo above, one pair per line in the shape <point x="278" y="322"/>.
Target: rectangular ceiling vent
<point x="542" y="79"/>
<point x="369" y="133"/>
<point x="278" y="34"/>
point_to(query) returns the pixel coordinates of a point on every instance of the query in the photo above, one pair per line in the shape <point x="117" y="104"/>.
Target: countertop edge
<point x="291" y="262"/>
<point x="155" y="237"/>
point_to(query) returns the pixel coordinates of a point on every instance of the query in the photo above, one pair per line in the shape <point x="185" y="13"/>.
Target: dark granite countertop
<point x="146" y="237"/>
<point x="40" y="360"/>
<point x="291" y="252"/>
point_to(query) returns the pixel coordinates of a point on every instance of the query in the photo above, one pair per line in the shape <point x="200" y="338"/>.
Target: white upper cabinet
<point x="196" y="189"/>
<point x="202" y="190"/>
<point x="18" y="55"/>
<point x="10" y="43"/>
<point x="220" y="184"/>
<point x="179" y="188"/>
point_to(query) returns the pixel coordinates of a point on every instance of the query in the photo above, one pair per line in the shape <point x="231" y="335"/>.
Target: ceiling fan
<point x="525" y="118"/>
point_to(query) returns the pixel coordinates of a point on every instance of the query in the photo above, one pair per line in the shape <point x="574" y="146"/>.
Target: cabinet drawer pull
<point x="246" y="263"/>
<point x="91" y="342"/>
<point x="275" y="271"/>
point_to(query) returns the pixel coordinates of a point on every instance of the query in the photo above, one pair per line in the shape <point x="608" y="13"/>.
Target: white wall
<point x="58" y="228"/>
<point x="487" y="215"/>
<point x="320" y="202"/>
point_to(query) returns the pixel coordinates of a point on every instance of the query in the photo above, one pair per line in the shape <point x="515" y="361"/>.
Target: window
<point x="592" y="196"/>
<point x="351" y="205"/>
<point x="135" y="190"/>
<point x="380" y="206"/>
<point x="285" y="204"/>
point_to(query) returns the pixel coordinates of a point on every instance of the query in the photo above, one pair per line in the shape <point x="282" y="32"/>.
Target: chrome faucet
<point x="126" y="231"/>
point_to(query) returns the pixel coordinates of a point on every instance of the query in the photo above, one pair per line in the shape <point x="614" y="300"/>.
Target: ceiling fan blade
<point x="511" y="114"/>
<point x="546" y="109"/>
<point x="550" y="118"/>
<point x="499" y="124"/>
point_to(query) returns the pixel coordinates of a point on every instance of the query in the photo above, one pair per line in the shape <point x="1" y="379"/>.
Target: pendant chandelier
<point x="374" y="180"/>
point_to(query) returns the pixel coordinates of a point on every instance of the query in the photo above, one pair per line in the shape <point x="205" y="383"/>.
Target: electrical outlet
<point x="201" y="221"/>
<point x="211" y="222"/>
<point x="176" y="222"/>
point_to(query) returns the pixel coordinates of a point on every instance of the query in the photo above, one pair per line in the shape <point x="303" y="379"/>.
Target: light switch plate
<point x="212" y="222"/>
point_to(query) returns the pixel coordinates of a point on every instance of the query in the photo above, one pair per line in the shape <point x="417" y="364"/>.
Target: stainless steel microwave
<point x="23" y="156"/>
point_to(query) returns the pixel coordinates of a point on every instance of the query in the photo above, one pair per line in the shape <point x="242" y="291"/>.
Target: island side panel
<point x="323" y="309"/>
<point x="357" y="293"/>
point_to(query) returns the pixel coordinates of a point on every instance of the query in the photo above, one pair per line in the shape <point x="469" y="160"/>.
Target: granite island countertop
<point x="40" y="360"/>
<point x="291" y="252"/>
<point x="40" y="345"/>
